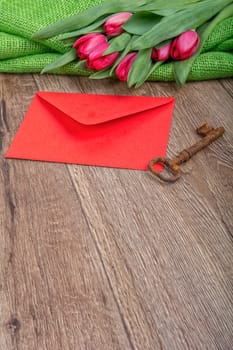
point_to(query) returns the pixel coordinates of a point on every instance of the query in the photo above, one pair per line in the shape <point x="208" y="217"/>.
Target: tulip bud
<point x="161" y="54"/>
<point x="113" y="25"/>
<point x="87" y="43"/>
<point x="124" y="66"/>
<point x="97" y="60"/>
<point x="185" y="45"/>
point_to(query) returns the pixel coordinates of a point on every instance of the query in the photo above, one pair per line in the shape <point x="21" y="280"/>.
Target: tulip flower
<point x="87" y="43"/>
<point x="124" y="66"/>
<point x="97" y="60"/>
<point x="161" y="54"/>
<point x="113" y="25"/>
<point x="185" y="45"/>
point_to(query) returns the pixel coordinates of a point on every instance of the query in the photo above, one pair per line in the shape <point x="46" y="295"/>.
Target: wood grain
<point x="97" y="258"/>
<point x="54" y="291"/>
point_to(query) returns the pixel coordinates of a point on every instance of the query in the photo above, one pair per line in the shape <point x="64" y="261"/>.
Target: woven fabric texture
<point x="24" y="17"/>
<point x="226" y="45"/>
<point x="19" y="19"/>
<point x="15" y="46"/>
<point x="222" y="32"/>
<point x="207" y="66"/>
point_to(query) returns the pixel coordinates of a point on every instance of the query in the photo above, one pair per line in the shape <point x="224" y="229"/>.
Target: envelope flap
<point x="91" y="109"/>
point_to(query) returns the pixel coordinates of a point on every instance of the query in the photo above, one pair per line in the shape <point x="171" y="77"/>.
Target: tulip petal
<point x="102" y="62"/>
<point x="98" y="51"/>
<point x="87" y="17"/>
<point x="177" y="23"/>
<point x="185" y="45"/>
<point x="87" y="43"/>
<point x="182" y="69"/>
<point x="113" y="25"/>
<point x="84" y="38"/>
<point x="124" y="66"/>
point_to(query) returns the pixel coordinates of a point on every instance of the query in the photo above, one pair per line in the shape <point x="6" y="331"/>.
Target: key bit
<point x="208" y="133"/>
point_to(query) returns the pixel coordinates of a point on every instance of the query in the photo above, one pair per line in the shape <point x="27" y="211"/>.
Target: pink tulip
<point x="113" y="25"/>
<point x="161" y="54"/>
<point x="97" y="60"/>
<point x="124" y="66"/>
<point x="185" y="45"/>
<point x="87" y="43"/>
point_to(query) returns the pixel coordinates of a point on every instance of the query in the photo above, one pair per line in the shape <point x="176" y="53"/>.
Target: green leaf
<point x="169" y="12"/>
<point x="94" y="27"/>
<point x="87" y="17"/>
<point x="118" y="43"/>
<point x="153" y="68"/>
<point x="124" y="52"/>
<point x="179" y="22"/>
<point x="61" y="61"/>
<point x="167" y="6"/>
<point x="163" y="43"/>
<point x="68" y="43"/>
<point x="82" y="65"/>
<point x="181" y="69"/>
<point x="166" y="12"/>
<point x="140" y="68"/>
<point x="141" y="22"/>
<point x="106" y="73"/>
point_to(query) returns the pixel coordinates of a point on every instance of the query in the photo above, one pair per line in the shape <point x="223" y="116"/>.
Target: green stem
<point x="182" y="69"/>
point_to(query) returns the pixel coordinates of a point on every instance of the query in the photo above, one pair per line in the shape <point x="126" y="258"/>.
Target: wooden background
<point x="101" y="259"/>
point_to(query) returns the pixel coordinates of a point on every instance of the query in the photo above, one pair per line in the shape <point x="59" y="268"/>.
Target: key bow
<point x="172" y="166"/>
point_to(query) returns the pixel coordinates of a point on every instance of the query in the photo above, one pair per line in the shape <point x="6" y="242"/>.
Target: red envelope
<point x="102" y="130"/>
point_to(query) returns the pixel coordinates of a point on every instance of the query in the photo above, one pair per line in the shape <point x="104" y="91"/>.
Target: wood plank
<point x="161" y="255"/>
<point x="54" y="292"/>
<point x="228" y="85"/>
<point x="167" y="250"/>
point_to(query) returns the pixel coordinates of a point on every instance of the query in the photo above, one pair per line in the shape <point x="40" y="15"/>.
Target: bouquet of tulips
<point x="128" y="39"/>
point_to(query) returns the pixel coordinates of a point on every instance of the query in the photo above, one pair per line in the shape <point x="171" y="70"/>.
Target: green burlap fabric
<point x="19" y="19"/>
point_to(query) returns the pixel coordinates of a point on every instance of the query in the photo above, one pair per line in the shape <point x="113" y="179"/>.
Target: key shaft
<point x="208" y="133"/>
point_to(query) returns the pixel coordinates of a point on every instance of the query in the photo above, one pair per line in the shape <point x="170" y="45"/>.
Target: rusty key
<point x="208" y="133"/>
